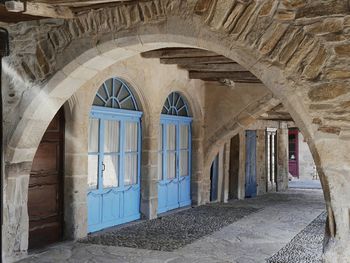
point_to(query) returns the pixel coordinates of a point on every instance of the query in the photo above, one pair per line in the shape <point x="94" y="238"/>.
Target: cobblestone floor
<point x="306" y="247"/>
<point x="175" y="230"/>
<point x="253" y="238"/>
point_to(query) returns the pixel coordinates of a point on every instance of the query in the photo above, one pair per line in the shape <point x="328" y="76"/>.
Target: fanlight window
<point x="175" y="105"/>
<point x="114" y="93"/>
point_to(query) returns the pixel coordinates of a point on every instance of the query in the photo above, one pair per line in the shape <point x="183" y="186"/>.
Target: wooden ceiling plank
<point x="244" y="75"/>
<point x="223" y="67"/>
<point x="197" y="60"/>
<point x="178" y="53"/>
<point x="39" y="9"/>
<point x="238" y="80"/>
<point x="75" y="3"/>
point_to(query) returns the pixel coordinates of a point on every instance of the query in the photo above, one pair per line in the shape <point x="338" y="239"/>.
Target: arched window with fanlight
<point x="114" y="154"/>
<point x="174" y="154"/>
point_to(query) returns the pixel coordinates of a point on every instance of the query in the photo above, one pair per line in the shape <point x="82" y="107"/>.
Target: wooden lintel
<point x="78" y="3"/>
<point x="178" y="53"/>
<point x="197" y="60"/>
<point x="223" y="67"/>
<point x="39" y="9"/>
<point x="235" y="76"/>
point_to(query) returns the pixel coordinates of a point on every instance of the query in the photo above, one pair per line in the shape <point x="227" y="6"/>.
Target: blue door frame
<point x="174" y="192"/>
<point x="250" y="176"/>
<point x="114" y="205"/>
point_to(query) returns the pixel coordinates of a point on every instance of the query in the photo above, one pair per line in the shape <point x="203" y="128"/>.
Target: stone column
<point x="200" y="183"/>
<point x="76" y="169"/>
<point x="149" y="166"/>
<point x="226" y="172"/>
<point x="221" y="165"/>
<point x="15" y="227"/>
<point x="261" y="179"/>
<point x="282" y="157"/>
<point x="333" y="162"/>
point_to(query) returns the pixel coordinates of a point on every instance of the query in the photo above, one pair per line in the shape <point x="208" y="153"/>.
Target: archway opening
<point x="114" y="157"/>
<point x="174" y="154"/>
<point x="45" y="193"/>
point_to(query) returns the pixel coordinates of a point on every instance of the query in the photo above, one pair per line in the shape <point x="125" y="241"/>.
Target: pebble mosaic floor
<point x="174" y="231"/>
<point x="306" y="247"/>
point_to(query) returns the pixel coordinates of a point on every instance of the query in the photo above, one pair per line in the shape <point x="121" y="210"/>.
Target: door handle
<point x="103" y="167"/>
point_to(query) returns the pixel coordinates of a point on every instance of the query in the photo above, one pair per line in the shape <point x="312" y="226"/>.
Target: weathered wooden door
<point x="250" y="178"/>
<point x="214" y="179"/>
<point x="45" y="195"/>
<point x="293" y="152"/>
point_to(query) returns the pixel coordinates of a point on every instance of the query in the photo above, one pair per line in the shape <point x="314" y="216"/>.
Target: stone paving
<point x="175" y="230"/>
<point x="306" y="247"/>
<point x="254" y="238"/>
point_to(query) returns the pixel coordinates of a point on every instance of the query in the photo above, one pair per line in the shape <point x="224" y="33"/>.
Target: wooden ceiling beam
<point x="238" y="80"/>
<point x="39" y="9"/>
<point x="75" y="3"/>
<point x="178" y="53"/>
<point x="223" y="67"/>
<point x="244" y="75"/>
<point x="197" y="60"/>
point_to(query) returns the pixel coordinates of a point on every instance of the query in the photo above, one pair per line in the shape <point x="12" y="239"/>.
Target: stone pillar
<point x="200" y="183"/>
<point x="221" y="165"/>
<point x="333" y="162"/>
<point x="241" y="171"/>
<point x="76" y="170"/>
<point x="282" y="157"/>
<point x="149" y="166"/>
<point x="261" y="162"/>
<point x="15" y="228"/>
<point x="226" y="172"/>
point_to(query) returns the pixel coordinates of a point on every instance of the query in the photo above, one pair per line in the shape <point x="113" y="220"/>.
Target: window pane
<point x="92" y="171"/>
<point x="184" y="163"/>
<point x="160" y="166"/>
<point x="111" y="139"/>
<point x="183" y="136"/>
<point x="130" y="136"/>
<point x="93" y="135"/>
<point x="171" y="165"/>
<point x="111" y="172"/>
<point x="171" y="136"/>
<point x="130" y="176"/>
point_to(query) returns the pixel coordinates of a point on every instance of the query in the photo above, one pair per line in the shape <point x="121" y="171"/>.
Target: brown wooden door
<point x="45" y="196"/>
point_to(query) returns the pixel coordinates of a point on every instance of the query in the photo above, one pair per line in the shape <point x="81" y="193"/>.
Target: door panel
<point x="45" y="193"/>
<point x="250" y="184"/>
<point x="174" y="157"/>
<point x="116" y="199"/>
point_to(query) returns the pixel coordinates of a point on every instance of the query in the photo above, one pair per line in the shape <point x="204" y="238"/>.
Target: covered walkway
<point x="270" y="223"/>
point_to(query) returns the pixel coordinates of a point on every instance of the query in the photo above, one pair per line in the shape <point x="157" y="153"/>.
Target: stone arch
<point x="259" y="35"/>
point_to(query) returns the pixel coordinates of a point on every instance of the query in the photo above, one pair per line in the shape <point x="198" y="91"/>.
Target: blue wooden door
<point x="214" y="179"/>
<point x="250" y="178"/>
<point x="174" y="162"/>
<point x="114" y="167"/>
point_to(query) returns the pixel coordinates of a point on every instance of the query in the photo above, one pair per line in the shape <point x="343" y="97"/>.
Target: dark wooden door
<point x="250" y="167"/>
<point x="214" y="179"/>
<point x="293" y="152"/>
<point x="45" y="195"/>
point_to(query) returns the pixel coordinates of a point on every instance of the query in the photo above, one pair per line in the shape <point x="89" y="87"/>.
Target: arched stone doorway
<point x="45" y="194"/>
<point x="114" y="156"/>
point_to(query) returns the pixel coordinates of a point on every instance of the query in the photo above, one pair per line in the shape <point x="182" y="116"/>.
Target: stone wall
<point x="299" y="50"/>
<point x="307" y="167"/>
